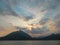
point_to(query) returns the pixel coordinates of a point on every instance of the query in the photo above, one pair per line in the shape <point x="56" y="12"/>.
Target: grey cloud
<point x="53" y="7"/>
<point x="5" y="8"/>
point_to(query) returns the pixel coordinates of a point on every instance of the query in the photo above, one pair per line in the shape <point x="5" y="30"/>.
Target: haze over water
<point x="55" y="42"/>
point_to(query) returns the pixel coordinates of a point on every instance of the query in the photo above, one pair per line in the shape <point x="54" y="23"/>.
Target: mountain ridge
<point x="20" y="35"/>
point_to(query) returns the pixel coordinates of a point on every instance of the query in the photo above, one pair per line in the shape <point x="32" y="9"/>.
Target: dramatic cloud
<point x="37" y="16"/>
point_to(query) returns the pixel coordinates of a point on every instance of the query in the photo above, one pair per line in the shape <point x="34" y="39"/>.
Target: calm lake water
<point x="30" y="42"/>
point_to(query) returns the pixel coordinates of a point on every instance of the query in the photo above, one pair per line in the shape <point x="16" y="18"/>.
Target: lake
<point x="46" y="42"/>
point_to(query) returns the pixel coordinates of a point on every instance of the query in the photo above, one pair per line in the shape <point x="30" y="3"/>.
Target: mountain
<point x="50" y="37"/>
<point x="19" y="35"/>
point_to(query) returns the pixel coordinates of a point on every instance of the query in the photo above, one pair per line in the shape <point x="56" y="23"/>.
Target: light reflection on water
<point x="30" y="42"/>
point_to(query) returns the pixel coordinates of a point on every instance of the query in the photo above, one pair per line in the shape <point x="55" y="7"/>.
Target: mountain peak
<point x="18" y="35"/>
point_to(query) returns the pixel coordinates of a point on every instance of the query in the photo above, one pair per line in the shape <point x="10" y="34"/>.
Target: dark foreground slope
<point x="19" y="35"/>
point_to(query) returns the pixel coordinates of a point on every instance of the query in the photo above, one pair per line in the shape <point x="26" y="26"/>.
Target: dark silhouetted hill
<point x="19" y="35"/>
<point x="50" y="37"/>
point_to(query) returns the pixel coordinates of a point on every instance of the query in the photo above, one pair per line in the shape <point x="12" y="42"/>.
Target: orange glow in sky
<point x="35" y="26"/>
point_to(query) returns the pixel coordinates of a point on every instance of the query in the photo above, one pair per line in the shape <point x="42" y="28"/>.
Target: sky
<point x="35" y="17"/>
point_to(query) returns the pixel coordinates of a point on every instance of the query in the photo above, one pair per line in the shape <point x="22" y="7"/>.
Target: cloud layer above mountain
<point x="23" y="13"/>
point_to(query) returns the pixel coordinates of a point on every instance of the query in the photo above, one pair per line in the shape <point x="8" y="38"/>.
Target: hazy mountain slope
<point x="50" y="37"/>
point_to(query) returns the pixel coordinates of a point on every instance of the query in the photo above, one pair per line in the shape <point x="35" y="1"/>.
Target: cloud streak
<point x="23" y="13"/>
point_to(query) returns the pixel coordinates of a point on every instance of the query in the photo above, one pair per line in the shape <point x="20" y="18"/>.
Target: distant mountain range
<point x="20" y="35"/>
<point x="50" y="37"/>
